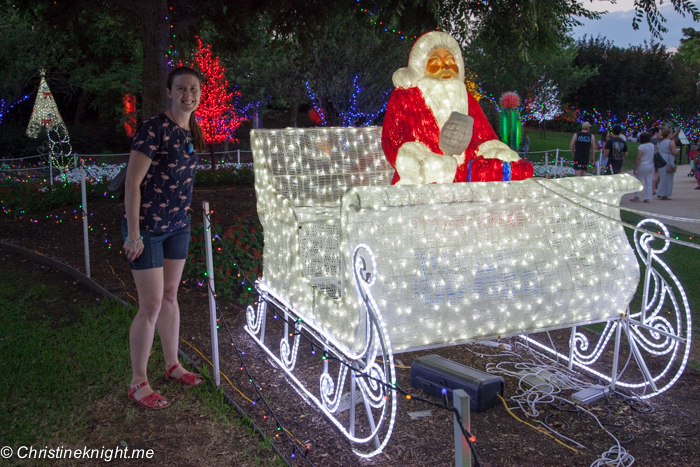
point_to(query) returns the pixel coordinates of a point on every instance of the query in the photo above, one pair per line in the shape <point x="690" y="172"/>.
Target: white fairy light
<point x="447" y="264"/>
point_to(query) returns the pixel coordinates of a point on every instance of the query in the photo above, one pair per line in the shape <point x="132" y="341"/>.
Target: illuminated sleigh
<point x="366" y="270"/>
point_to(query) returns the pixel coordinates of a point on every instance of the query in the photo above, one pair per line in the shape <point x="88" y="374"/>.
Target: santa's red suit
<point x="408" y="118"/>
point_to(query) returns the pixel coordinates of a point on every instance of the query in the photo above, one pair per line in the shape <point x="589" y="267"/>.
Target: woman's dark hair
<point x="655" y="130"/>
<point x="644" y="138"/>
<point x="197" y="133"/>
<point x="604" y="135"/>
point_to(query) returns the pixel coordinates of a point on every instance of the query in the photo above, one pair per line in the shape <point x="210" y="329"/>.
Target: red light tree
<point x="216" y="114"/>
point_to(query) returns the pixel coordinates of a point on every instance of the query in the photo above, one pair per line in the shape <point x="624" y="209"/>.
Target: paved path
<point x="685" y="202"/>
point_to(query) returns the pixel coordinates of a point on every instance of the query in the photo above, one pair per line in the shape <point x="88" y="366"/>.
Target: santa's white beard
<point x="444" y="97"/>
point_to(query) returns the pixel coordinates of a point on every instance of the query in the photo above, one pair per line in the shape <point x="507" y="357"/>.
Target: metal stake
<point x="263" y="318"/>
<point x="463" y="455"/>
<point x="616" y="355"/>
<point x="83" y="206"/>
<point x="572" y="344"/>
<point x="210" y="289"/>
<point x="647" y="279"/>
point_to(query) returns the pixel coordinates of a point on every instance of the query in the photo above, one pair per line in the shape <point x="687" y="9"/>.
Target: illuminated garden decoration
<point x="356" y="267"/>
<point x="216" y="114"/>
<point x="45" y="114"/>
<point x="434" y="131"/>
<point x="364" y="269"/>
<point x="472" y="87"/>
<point x="359" y="111"/>
<point x="5" y="106"/>
<point x="129" y="101"/>
<point x="60" y="150"/>
<point x="544" y="104"/>
<point x="510" y="120"/>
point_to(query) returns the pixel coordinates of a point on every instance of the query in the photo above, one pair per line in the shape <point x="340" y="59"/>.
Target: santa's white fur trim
<point x="444" y="97"/>
<point x="418" y="58"/>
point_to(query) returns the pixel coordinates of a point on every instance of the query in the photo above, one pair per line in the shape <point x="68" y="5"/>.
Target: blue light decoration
<point x="316" y="106"/>
<point x="353" y="116"/>
<point x="5" y="107"/>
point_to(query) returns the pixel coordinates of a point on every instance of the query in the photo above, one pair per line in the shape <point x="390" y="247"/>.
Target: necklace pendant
<point x="190" y="148"/>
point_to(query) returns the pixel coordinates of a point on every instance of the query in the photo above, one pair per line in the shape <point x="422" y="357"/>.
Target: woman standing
<point x="156" y="229"/>
<point x="644" y="166"/>
<point x="667" y="149"/>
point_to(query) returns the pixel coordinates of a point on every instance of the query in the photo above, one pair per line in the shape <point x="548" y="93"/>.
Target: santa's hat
<point x="418" y="58"/>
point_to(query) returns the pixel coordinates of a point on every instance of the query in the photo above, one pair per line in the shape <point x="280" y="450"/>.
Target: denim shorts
<point x="159" y="246"/>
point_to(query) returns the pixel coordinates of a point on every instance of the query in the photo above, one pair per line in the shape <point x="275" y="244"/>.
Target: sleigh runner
<point x="369" y="269"/>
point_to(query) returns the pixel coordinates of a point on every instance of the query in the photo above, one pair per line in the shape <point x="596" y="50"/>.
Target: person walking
<point x="582" y="147"/>
<point x="644" y="166"/>
<point x="524" y="149"/>
<point x="156" y="229"/>
<point x="667" y="149"/>
<point x="616" y="150"/>
<point x="602" y="159"/>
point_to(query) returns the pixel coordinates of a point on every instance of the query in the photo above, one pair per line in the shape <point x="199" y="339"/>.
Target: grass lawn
<point x="553" y="140"/>
<point x="683" y="261"/>
<point x="65" y="366"/>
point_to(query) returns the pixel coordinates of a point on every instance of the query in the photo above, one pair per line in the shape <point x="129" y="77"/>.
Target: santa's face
<point x="441" y="65"/>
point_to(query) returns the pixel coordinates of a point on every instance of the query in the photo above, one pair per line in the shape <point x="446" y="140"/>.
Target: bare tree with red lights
<point x="216" y="114"/>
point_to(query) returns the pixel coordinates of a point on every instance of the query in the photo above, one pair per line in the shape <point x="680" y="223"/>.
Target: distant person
<point x="616" y="150"/>
<point x="644" y="166"/>
<point x="156" y="229"/>
<point x="525" y="146"/>
<point x="602" y="158"/>
<point x="582" y="147"/>
<point x="655" y="138"/>
<point x="668" y="150"/>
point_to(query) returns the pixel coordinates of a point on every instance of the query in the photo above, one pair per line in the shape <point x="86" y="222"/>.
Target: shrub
<point x="244" y="241"/>
<point x="242" y="175"/>
<point x="18" y="198"/>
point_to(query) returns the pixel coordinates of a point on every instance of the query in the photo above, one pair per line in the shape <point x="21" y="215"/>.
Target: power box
<point x="432" y="373"/>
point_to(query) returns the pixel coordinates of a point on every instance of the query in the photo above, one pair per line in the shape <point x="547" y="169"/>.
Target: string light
<point x="216" y="114"/>
<point x="5" y="106"/>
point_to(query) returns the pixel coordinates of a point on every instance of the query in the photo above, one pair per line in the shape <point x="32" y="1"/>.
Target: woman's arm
<point x="138" y="166"/>
<point x="638" y="161"/>
<point x="673" y="148"/>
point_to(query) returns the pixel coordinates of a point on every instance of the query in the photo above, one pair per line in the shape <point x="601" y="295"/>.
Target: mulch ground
<point x="664" y="435"/>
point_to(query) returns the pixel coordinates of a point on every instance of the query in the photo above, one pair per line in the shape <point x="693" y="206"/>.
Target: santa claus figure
<point x="434" y="131"/>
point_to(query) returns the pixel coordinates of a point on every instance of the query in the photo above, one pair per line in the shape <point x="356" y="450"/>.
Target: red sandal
<point x="148" y="401"/>
<point x="188" y="379"/>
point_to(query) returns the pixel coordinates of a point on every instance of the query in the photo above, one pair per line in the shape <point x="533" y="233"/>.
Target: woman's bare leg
<point x="149" y="284"/>
<point x="169" y="317"/>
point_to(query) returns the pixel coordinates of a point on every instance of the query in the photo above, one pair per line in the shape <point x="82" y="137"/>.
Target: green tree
<point x="689" y="50"/>
<point x="645" y="78"/>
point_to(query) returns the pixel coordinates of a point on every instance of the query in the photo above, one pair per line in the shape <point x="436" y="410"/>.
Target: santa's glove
<point x="416" y="165"/>
<point x="495" y="149"/>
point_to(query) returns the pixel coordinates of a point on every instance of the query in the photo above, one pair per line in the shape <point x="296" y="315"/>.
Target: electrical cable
<point x="257" y="388"/>
<point x="234" y="387"/>
<point x="532" y="426"/>
<point x="395" y="387"/>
